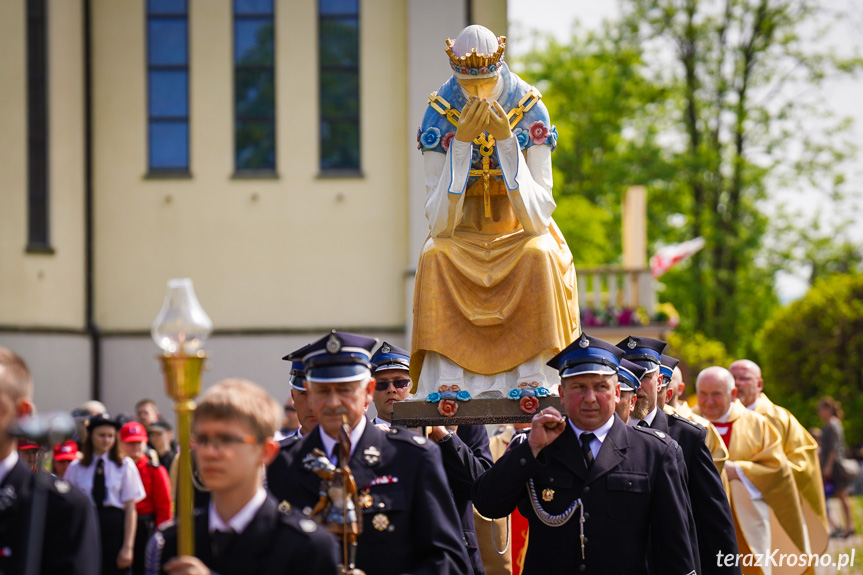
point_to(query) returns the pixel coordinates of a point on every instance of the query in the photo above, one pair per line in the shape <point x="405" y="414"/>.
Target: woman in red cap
<point x="155" y="509"/>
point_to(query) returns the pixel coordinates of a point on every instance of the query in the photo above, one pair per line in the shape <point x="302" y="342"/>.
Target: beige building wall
<point x="276" y="261"/>
<point x="42" y="290"/>
<point x="295" y="251"/>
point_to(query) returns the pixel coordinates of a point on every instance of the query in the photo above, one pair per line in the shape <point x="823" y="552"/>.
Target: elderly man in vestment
<point x="673" y="404"/>
<point x="799" y="446"/>
<point x="495" y="294"/>
<point x="764" y="498"/>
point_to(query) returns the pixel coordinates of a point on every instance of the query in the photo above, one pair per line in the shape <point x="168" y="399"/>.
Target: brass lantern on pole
<point x="180" y="330"/>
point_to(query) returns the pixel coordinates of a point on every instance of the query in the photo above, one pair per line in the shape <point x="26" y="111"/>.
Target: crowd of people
<point x="690" y="483"/>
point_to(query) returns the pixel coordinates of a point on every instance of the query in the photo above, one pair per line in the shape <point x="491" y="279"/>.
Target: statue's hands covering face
<point x="473" y="120"/>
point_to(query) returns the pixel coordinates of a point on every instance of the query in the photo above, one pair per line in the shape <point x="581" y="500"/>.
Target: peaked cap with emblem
<point x="389" y="356"/>
<point x="645" y="351"/>
<point x="339" y="357"/>
<point x="298" y="371"/>
<point x="587" y="355"/>
<point x="629" y="375"/>
<point x="666" y="367"/>
<point x="101" y="419"/>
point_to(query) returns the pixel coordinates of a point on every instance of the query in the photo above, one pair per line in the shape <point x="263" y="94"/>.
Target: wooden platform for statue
<point x="473" y="412"/>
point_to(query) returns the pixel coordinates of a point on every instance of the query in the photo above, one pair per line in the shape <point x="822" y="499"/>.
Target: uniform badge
<point x="631" y="344"/>
<point x="372" y="455"/>
<point x="365" y="499"/>
<point x="659" y="434"/>
<point x="62" y="486"/>
<point x="547" y="494"/>
<point x="419" y="440"/>
<point x="583" y="343"/>
<point x="385" y="348"/>
<point x="333" y="344"/>
<point x="7" y="497"/>
<point x="380" y="522"/>
<point x="284" y="506"/>
<point x="308" y="526"/>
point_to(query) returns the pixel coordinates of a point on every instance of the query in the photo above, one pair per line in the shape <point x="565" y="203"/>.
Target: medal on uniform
<point x="372" y="455"/>
<point x="547" y="494"/>
<point x="365" y="499"/>
<point x="380" y="522"/>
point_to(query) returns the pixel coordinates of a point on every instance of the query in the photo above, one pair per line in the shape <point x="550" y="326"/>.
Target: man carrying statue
<point x="496" y="293"/>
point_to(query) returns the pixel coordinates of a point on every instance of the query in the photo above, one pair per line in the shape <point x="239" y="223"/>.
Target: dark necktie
<point x="221" y="542"/>
<point x="642" y="423"/>
<point x="586" y="438"/>
<point x="99" y="491"/>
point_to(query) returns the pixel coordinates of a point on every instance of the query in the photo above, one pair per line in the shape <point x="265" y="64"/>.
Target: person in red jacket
<point x="155" y="509"/>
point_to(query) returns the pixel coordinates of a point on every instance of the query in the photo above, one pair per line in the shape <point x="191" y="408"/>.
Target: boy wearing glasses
<point x="243" y="530"/>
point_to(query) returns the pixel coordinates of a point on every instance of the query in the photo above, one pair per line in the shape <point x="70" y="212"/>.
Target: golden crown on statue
<point x="474" y="64"/>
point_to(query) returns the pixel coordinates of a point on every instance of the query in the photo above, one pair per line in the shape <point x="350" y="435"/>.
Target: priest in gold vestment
<point x="764" y="497"/>
<point x="495" y="295"/>
<point x="673" y="404"/>
<point x="798" y="444"/>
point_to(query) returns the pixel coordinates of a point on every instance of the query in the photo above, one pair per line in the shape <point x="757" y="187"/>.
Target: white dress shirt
<point x="648" y="419"/>
<point x="600" y="433"/>
<point x="330" y="443"/>
<point x="7" y="464"/>
<point x="244" y="516"/>
<point x="122" y="483"/>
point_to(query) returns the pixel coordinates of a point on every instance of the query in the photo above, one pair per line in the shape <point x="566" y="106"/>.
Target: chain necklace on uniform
<point x="557" y="520"/>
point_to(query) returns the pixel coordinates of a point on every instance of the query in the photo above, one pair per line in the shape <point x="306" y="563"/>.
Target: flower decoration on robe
<point x="552" y="137"/>
<point x="522" y="136"/>
<point x="447" y="397"/>
<point x="430" y="138"/>
<point x="419" y="138"/>
<point x="539" y="132"/>
<point x="446" y="140"/>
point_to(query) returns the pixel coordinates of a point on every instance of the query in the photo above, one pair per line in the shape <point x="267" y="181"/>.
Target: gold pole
<point x="182" y="384"/>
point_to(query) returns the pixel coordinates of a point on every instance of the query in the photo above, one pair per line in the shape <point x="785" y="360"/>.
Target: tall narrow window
<point x="339" y="70"/>
<point x="168" y="85"/>
<point x="37" y="129"/>
<point x="254" y="86"/>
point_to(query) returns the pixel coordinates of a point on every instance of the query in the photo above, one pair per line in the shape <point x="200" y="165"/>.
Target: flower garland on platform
<point x="446" y="399"/>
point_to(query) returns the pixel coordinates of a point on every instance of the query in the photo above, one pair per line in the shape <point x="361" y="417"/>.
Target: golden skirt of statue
<point x="490" y="296"/>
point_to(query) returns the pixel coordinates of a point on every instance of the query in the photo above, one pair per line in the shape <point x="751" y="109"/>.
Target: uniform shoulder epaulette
<point x="517" y="439"/>
<point x="408" y="437"/>
<point x="661" y="435"/>
<point x="297" y="520"/>
<point x="694" y="424"/>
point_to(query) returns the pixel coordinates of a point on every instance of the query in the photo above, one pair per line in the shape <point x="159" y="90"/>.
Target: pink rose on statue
<point x="448" y="407"/>
<point x="528" y="404"/>
<point x="445" y="141"/>
<point x="539" y="132"/>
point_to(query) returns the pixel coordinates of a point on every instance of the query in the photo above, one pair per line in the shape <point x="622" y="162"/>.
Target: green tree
<point x="605" y="112"/>
<point x="737" y="70"/>
<point x="814" y="347"/>
<point x="712" y="106"/>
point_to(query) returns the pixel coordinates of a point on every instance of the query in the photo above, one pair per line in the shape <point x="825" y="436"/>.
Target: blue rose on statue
<point x="430" y="138"/>
<point x="522" y="136"/>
